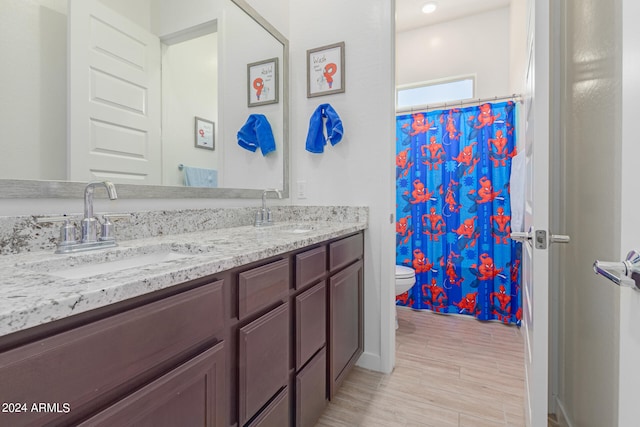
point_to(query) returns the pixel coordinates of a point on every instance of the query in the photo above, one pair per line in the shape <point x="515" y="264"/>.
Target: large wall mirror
<point x="149" y="94"/>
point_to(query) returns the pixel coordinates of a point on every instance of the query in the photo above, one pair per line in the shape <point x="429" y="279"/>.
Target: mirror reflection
<point x="134" y="92"/>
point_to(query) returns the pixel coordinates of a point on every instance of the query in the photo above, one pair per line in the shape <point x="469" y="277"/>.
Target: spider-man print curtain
<point x="454" y="213"/>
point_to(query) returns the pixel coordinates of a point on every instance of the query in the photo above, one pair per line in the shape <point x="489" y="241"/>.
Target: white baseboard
<point x="371" y="361"/>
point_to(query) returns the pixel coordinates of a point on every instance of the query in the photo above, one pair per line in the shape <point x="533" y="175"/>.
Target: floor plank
<point x="450" y="371"/>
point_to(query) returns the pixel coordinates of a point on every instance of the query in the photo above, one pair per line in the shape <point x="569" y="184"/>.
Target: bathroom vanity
<point x="239" y="327"/>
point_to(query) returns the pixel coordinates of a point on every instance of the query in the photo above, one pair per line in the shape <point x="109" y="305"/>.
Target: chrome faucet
<point x="263" y="216"/>
<point x="89" y="222"/>
<point x="89" y="238"/>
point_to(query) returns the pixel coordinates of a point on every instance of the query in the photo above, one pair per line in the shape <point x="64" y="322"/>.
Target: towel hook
<point x="180" y="166"/>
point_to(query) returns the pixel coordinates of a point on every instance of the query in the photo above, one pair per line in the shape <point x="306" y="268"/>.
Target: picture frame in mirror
<point x="262" y="82"/>
<point x="204" y="133"/>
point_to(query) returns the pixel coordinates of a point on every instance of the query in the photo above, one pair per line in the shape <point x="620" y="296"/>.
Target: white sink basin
<point x="136" y="261"/>
<point x="300" y="228"/>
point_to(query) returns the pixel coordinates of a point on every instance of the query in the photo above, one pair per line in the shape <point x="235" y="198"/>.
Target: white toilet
<point x="405" y="279"/>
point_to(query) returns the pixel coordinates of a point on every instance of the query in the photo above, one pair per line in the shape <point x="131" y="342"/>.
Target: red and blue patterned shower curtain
<point x="454" y="213"/>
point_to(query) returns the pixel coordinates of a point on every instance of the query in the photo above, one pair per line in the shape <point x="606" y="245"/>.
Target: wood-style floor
<point x="450" y="371"/>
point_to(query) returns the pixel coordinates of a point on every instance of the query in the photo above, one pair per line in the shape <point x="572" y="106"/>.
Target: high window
<point x="435" y="92"/>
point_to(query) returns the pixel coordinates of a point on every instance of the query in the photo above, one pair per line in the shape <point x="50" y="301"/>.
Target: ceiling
<point x="410" y="16"/>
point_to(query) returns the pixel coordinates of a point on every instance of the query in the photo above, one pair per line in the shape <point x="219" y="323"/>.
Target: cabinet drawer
<point x="345" y="251"/>
<point x="310" y="266"/>
<point x="311" y="320"/>
<point x="311" y="391"/>
<point x="190" y="395"/>
<point x="262" y="286"/>
<point x="263" y="360"/>
<point x="276" y="414"/>
<point x="92" y="364"/>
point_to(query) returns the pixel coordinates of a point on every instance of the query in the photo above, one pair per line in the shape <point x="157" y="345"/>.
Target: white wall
<point x="245" y="42"/>
<point x="476" y="45"/>
<point x="274" y="11"/>
<point x="169" y="17"/>
<point x="359" y="169"/>
<point x="33" y="37"/>
<point x="589" y="305"/>
<point x="189" y="89"/>
<point x="517" y="45"/>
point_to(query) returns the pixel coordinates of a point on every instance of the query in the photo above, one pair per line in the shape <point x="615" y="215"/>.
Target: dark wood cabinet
<point x="311" y="323"/>
<point x="262" y="286"/>
<point x="276" y="414"/>
<point x="192" y="395"/>
<point x="346" y="291"/>
<point x="91" y="365"/>
<point x="311" y="266"/>
<point x="265" y="344"/>
<point x="311" y="391"/>
<point x="263" y="361"/>
<point x="345" y="251"/>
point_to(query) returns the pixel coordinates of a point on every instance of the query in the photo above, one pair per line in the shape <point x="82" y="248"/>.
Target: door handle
<point x="540" y="237"/>
<point x="521" y="236"/>
<point x="559" y="238"/>
<point x="627" y="269"/>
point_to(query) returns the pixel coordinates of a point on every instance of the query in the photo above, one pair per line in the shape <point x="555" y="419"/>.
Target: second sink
<point x="138" y="261"/>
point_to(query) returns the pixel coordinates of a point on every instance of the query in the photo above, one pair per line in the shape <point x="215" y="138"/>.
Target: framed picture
<point x="325" y="70"/>
<point x="262" y="82"/>
<point x="205" y="134"/>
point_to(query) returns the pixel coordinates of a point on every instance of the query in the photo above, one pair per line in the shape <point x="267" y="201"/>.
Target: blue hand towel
<point x="255" y="133"/>
<point x="199" y="177"/>
<point x="315" y="138"/>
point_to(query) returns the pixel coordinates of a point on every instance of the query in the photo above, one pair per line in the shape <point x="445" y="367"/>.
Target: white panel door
<point x="629" y="368"/>
<point x="535" y="253"/>
<point x="114" y="94"/>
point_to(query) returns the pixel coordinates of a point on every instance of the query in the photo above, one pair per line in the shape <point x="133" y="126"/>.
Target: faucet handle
<point x="67" y="231"/>
<point x="107" y="228"/>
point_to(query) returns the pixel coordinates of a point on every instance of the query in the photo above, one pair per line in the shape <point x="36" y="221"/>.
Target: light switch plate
<point x="302" y="189"/>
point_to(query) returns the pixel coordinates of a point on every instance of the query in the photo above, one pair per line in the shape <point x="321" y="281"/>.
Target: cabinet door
<point x="345" y="323"/>
<point x="343" y="252"/>
<point x="263" y="360"/>
<point x="311" y="321"/>
<point x="311" y="391"/>
<point x="311" y="266"/>
<point x="276" y="414"/>
<point x="190" y="395"/>
<point x="262" y="286"/>
<point x="92" y="365"/>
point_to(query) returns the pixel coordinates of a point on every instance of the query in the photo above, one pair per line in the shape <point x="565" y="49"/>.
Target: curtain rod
<point x="427" y="107"/>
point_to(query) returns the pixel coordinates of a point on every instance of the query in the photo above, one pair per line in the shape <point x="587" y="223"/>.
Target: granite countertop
<point x="35" y="290"/>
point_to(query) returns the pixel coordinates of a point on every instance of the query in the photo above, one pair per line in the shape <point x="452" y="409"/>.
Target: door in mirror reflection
<point x="115" y="94"/>
<point x="114" y="84"/>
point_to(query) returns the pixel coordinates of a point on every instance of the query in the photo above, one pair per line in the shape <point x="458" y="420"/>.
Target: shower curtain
<point x="453" y="211"/>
